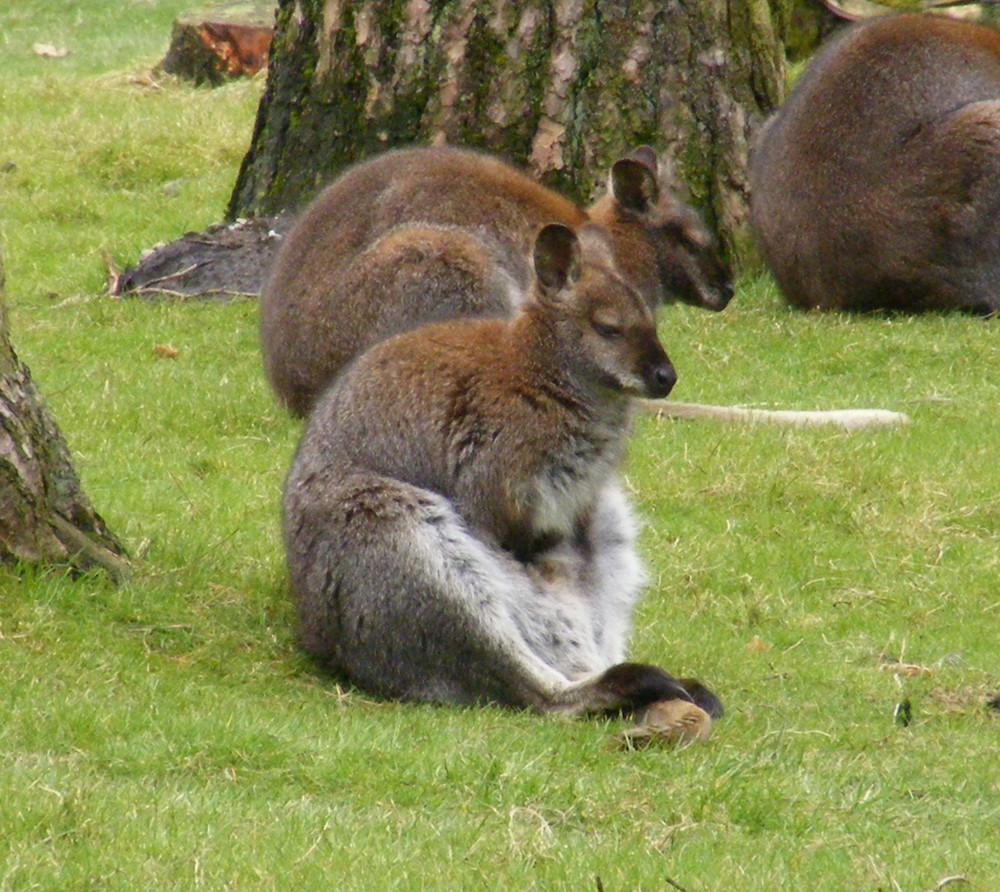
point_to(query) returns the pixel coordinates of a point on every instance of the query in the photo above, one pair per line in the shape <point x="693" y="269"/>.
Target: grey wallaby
<point x="425" y="234"/>
<point x="454" y="527"/>
<point x="876" y="185"/>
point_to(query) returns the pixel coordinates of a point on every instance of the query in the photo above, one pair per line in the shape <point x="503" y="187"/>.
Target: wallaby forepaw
<point x="630" y="687"/>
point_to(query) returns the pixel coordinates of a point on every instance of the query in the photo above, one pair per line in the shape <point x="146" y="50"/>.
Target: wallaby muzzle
<point x="711" y="288"/>
<point x="717" y="298"/>
<point x="658" y="375"/>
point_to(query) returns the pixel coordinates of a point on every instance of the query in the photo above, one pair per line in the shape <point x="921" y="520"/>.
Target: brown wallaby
<point x="454" y="528"/>
<point x="877" y="184"/>
<point x="424" y="234"/>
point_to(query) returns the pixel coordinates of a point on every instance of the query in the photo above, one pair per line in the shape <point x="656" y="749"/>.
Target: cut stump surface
<point x="220" y="41"/>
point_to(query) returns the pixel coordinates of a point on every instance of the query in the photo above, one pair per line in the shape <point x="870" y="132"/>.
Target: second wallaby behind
<point x="454" y="527"/>
<point x="422" y="234"/>
<point x="877" y="184"/>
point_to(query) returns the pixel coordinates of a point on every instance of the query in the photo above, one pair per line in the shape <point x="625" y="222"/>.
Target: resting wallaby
<point x="453" y="524"/>
<point x="423" y="234"/>
<point x="877" y="184"/>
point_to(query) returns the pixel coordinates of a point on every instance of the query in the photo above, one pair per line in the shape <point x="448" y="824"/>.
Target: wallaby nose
<point x="717" y="297"/>
<point x="726" y="291"/>
<point x="662" y="380"/>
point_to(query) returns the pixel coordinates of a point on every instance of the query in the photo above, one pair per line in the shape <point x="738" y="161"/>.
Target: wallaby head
<point x="661" y="244"/>
<point x="606" y="330"/>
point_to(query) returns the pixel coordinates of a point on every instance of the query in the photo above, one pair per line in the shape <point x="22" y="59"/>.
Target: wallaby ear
<point x="556" y="257"/>
<point x="646" y="156"/>
<point x="633" y="180"/>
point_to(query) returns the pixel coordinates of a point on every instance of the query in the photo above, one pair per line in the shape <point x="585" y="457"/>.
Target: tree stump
<point x="215" y="43"/>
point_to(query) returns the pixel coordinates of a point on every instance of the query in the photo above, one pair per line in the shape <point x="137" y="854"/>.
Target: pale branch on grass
<point x="947" y="881"/>
<point x="846" y="419"/>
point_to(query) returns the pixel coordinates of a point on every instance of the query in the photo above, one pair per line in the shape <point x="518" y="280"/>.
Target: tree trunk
<point x="562" y="87"/>
<point x="44" y="516"/>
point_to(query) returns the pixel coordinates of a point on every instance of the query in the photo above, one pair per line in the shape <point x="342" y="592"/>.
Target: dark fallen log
<point x="225" y="260"/>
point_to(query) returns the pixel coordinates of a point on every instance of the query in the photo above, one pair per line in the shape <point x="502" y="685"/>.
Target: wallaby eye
<point x="609" y="332"/>
<point x="697" y="238"/>
<point x="689" y="234"/>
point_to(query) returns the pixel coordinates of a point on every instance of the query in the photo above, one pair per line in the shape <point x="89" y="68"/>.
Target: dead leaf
<point x="757" y="645"/>
<point x="47" y="51"/>
<point x="144" y="80"/>
<point x="166" y="351"/>
<point x="904" y="668"/>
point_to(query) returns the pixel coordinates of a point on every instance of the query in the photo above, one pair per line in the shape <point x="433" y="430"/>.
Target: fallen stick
<point x="846" y="419"/>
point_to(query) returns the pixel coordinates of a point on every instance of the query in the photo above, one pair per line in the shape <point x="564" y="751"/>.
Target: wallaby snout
<point x="710" y="286"/>
<point x="692" y="265"/>
<point x="633" y="362"/>
<point x="660" y="376"/>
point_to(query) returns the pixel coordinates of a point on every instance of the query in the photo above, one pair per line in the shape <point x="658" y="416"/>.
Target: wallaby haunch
<point x="426" y="234"/>
<point x="877" y="184"/>
<point x="453" y="524"/>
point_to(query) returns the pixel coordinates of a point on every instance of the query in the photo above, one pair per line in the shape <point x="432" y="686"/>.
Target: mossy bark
<point x="44" y="516"/>
<point x="562" y="87"/>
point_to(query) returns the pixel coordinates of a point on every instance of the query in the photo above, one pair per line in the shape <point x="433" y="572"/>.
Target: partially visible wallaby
<point x="423" y="234"/>
<point x="877" y="184"/>
<point x="453" y="524"/>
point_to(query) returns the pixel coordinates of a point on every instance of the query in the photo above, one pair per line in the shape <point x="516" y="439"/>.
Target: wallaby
<point x="422" y="234"/>
<point x="454" y="528"/>
<point x="876" y="185"/>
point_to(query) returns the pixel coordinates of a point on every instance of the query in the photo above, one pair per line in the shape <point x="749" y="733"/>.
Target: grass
<point x="167" y="734"/>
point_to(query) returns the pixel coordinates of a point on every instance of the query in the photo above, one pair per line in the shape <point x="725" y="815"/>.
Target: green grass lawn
<point x="167" y="734"/>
